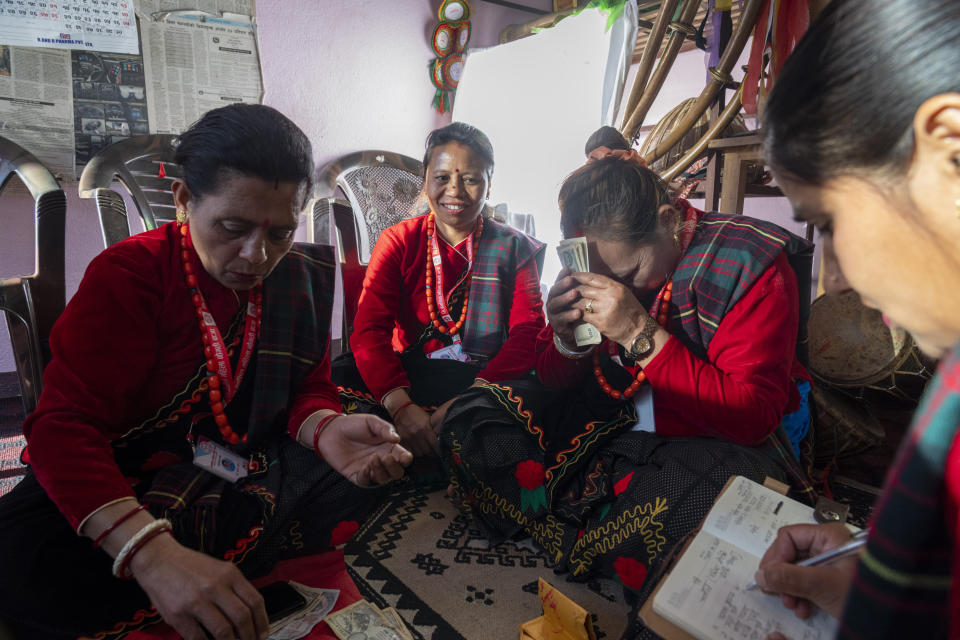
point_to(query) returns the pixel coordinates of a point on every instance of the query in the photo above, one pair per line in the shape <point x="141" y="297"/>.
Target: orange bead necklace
<point x="662" y="314"/>
<point x="221" y="382"/>
<point x="435" y="300"/>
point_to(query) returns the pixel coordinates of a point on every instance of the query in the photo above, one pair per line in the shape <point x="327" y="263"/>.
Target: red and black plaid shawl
<point x="727" y="255"/>
<point x="904" y="585"/>
<point x="502" y="251"/>
<point x="297" y="303"/>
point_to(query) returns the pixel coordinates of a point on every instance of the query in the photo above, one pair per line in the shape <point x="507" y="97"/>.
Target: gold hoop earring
<point x="181" y="216"/>
<point x="676" y="239"/>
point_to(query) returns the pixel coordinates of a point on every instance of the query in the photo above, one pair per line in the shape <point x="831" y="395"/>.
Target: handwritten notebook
<point x="705" y="594"/>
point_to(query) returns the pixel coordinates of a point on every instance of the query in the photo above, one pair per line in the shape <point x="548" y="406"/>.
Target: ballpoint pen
<point x="847" y="549"/>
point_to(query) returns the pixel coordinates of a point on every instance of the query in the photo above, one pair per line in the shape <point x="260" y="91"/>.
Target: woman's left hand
<point x="364" y="449"/>
<point x="616" y="312"/>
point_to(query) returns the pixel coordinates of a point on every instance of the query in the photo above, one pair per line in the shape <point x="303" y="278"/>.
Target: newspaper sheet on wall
<point x="147" y="9"/>
<point x="109" y="101"/>
<point x="36" y="106"/>
<point x="196" y="62"/>
<point x="97" y="25"/>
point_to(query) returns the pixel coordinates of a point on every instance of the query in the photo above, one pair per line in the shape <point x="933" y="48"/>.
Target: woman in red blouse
<point x="188" y="426"/>
<point x="623" y="445"/>
<point x="450" y="298"/>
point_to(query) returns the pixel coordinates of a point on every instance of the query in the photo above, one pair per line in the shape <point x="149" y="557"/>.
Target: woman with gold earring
<point x="623" y="445"/>
<point x="450" y="298"/>
<point x="886" y="203"/>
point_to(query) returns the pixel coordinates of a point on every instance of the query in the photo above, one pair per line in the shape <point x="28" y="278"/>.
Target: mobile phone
<point x="280" y="599"/>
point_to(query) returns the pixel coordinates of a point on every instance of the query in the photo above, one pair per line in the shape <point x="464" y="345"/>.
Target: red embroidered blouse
<point x="741" y="391"/>
<point x="392" y="311"/>
<point x="125" y="345"/>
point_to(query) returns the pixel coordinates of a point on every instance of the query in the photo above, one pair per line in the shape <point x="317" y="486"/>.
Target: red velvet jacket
<point x="743" y="388"/>
<point x="393" y="309"/>
<point x="126" y="343"/>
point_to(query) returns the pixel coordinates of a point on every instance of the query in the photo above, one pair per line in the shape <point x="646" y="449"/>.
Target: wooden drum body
<point x="853" y="351"/>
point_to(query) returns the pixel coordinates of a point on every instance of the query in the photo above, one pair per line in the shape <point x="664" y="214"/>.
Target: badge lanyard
<point x="216" y="349"/>
<point x="438" y="273"/>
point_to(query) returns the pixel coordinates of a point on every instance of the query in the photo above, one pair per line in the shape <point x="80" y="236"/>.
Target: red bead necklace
<point x="433" y="254"/>
<point x="663" y="310"/>
<point x="220" y="388"/>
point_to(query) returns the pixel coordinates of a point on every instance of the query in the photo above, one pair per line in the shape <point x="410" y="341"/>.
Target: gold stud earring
<point x="181" y="216"/>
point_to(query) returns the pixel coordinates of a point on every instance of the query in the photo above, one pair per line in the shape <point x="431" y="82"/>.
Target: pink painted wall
<point x="354" y="75"/>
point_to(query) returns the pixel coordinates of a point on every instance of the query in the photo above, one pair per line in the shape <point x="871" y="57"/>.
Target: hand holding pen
<point x="823" y="584"/>
<point x="850" y="548"/>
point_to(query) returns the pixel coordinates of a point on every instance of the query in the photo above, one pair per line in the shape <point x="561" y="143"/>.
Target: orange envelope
<point x="562" y="619"/>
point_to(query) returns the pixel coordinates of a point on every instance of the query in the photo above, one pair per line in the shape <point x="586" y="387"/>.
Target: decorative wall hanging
<point x="450" y="40"/>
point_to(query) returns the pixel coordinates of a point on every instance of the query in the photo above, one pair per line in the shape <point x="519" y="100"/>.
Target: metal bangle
<point x="570" y="353"/>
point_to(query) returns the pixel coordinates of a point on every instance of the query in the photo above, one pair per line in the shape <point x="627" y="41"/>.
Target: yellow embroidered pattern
<point x="642" y="520"/>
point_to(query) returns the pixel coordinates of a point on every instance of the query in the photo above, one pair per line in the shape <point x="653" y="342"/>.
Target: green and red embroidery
<point x="530" y="477"/>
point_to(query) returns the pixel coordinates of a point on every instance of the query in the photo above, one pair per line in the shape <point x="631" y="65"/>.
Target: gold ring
<point x="589" y="307"/>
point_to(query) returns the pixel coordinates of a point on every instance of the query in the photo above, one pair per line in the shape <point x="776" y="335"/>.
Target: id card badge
<point x="452" y="352"/>
<point x="219" y="460"/>
<point x="643" y="403"/>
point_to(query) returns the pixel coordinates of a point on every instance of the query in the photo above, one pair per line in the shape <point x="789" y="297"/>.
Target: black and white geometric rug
<point x="418" y="554"/>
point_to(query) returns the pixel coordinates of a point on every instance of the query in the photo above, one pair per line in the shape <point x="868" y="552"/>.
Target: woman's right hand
<point x="562" y="315"/>
<point x="194" y="591"/>
<point x="416" y="432"/>
<point x="800" y="588"/>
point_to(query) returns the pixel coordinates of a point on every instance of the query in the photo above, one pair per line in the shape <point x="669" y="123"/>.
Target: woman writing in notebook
<point x="863" y="134"/>
<point x="450" y="298"/>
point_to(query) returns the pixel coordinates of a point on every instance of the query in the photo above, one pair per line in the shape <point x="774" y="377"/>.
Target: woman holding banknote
<point x="630" y="434"/>
<point x="450" y="298"/>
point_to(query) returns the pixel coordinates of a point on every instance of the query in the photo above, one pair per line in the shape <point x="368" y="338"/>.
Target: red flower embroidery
<point x="622" y="484"/>
<point x="159" y="460"/>
<point x="343" y="532"/>
<point x="457" y="460"/>
<point x="529" y="474"/>
<point x="631" y="571"/>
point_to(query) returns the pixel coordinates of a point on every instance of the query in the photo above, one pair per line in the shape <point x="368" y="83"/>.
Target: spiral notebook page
<point x="705" y="593"/>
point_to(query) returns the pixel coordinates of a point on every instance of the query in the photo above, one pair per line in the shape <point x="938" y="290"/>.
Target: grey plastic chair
<point x="382" y="187"/>
<point x="32" y="303"/>
<point x="134" y="163"/>
<point x="331" y="221"/>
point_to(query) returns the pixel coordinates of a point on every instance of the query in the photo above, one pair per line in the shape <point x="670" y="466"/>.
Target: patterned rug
<point x="11" y="443"/>
<point x="417" y="554"/>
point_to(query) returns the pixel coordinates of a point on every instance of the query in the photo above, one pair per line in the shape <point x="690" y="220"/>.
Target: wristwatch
<point x="642" y="345"/>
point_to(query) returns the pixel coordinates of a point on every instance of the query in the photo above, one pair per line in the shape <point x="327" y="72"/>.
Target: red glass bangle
<point x="116" y="523"/>
<point x="320" y="425"/>
<point x="393" y="416"/>
<point x="125" y="565"/>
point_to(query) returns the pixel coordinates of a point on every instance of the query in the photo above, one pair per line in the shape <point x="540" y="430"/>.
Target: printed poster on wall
<point x="197" y="62"/>
<point x="109" y="101"/>
<point x="97" y="25"/>
<point x="35" y="104"/>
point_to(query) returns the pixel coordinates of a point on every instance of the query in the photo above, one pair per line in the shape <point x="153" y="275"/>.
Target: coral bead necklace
<point x="435" y="267"/>
<point x="222" y="384"/>
<point x="662" y="314"/>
